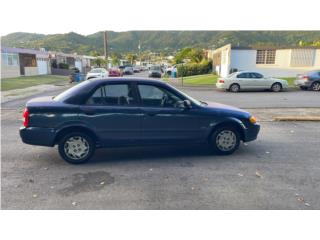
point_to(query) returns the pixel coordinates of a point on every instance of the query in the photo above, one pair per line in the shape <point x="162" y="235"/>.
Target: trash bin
<point x="174" y="74"/>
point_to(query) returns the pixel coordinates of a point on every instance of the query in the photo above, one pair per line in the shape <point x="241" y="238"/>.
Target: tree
<point x="115" y="59"/>
<point x="100" y="62"/>
<point x="131" y="57"/>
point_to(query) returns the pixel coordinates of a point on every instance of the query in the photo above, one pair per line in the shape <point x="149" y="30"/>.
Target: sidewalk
<point x="285" y="114"/>
<point x="15" y="94"/>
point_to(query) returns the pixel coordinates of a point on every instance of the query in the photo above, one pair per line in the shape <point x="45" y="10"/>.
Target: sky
<point x="90" y="16"/>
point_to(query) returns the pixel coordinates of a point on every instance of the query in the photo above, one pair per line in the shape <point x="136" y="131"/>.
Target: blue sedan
<point x="129" y="112"/>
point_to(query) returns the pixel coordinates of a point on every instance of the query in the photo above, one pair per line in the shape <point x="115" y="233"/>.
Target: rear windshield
<point x="70" y="92"/>
<point x="157" y="68"/>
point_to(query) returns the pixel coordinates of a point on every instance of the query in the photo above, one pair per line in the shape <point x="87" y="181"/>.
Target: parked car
<point x="97" y="73"/>
<point x="251" y="80"/>
<point x="309" y="80"/>
<point x="169" y="70"/>
<point x="128" y="112"/>
<point x="136" y="69"/>
<point x="115" y="72"/>
<point x="128" y="70"/>
<point x="155" y="71"/>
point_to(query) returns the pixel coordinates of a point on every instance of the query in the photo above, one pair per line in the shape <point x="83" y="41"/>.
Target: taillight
<point x="221" y="81"/>
<point x="25" y="117"/>
<point x="306" y="78"/>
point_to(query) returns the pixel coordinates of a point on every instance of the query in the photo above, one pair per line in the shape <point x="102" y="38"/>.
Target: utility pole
<point x="105" y="41"/>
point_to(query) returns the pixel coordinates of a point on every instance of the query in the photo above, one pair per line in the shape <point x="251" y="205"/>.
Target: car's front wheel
<point x="225" y="140"/>
<point x="315" y="86"/>
<point x="76" y="147"/>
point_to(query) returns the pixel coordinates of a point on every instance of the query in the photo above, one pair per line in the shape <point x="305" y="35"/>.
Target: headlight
<point x="253" y="119"/>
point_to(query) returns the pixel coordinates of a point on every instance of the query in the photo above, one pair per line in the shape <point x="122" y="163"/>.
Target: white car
<point x="97" y="73"/>
<point x="245" y="80"/>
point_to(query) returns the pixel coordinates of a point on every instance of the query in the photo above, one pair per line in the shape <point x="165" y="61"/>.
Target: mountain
<point x="155" y="40"/>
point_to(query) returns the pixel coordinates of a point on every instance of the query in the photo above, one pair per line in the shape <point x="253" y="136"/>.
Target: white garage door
<point x="42" y="66"/>
<point x="78" y="65"/>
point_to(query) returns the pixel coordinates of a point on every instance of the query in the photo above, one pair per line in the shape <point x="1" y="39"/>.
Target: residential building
<point x="270" y="61"/>
<point x="17" y="62"/>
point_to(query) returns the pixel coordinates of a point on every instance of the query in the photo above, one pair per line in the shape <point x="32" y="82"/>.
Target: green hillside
<point x="155" y="40"/>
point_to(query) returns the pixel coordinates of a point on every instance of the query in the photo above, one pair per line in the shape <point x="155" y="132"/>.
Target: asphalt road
<point x="281" y="170"/>
<point x="262" y="99"/>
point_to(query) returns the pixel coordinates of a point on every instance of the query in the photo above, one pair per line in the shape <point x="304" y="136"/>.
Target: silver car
<point x="245" y="80"/>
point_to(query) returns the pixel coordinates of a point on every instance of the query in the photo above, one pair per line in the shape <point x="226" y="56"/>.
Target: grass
<point x="24" y="82"/>
<point x="290" y="80"/>
<point x="207" y="79"/>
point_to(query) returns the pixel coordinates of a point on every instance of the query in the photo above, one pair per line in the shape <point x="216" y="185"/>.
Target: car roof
<point x="128" y="79"/>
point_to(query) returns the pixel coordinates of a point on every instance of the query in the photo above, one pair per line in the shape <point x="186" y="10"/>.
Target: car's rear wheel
<point x="76" y="147"/>
<point x="303" y="88"/>
<point x="234" y="87"/>
<point x="276" y="87"/>
<point x="225" y="140"/>
<point x="315" y="86"/>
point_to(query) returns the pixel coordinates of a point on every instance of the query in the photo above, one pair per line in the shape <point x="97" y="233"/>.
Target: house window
<point x="10" y="59"/>
<point x="302" y="57"/>
<point x="266" y="57"/>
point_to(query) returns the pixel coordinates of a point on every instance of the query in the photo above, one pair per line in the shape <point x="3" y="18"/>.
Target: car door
<point x="259" y="81"/>
<point x="113" y="112"/>
<point x="245" y="81"/>
<point x="165" y="120"/>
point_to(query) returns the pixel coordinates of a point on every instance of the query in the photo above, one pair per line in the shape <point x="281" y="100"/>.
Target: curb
<point x="297" y="118"/>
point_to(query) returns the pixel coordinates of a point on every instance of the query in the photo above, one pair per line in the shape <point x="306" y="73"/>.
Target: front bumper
<point x="251" y="132"/>
<point x="38" y="136"/>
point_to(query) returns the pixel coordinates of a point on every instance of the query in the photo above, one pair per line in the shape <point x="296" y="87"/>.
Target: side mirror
<point x="187" y="104"/>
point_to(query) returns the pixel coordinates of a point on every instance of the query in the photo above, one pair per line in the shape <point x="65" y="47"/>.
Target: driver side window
<point x="153" y="96"/>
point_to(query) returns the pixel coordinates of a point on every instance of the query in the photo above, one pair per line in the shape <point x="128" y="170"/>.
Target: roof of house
<point x="24" y="50"/>
<point x="272" y="47"/>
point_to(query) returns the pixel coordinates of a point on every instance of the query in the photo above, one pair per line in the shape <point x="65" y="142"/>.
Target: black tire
<point x="303" y="88"/>
<point x="235" y="87"/>
<point x="276" y="87"/>
<point x="216" y="137"/>
<point x="315" y="86"/>
<point x="87" y="142"/>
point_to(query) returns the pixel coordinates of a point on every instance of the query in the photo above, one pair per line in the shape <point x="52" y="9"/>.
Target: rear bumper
<point x="251" y="133"/>
<point x="38" y="136"/>
<point x="302" y="83"/>
<point x="221" y="85"/>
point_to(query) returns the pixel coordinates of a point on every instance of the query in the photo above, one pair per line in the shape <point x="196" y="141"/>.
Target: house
<point x="17" y="62"/>
<point x="270" y="61"/>
<point x="62" y="62"/>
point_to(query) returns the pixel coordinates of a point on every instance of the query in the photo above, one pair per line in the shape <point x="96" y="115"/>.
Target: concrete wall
<point x="9" y="71"/>
<point x="30" y="71"/>
<point x="245" y="60"/>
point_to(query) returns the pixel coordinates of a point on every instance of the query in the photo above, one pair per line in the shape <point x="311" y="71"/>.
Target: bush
<point x="63" y="65"/>
<point x="190" y="69"/>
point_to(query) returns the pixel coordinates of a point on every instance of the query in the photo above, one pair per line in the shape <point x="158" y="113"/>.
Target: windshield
<point x="66" y="94"/>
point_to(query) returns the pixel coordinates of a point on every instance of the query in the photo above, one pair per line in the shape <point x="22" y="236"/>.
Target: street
<point x="280" y="170"/>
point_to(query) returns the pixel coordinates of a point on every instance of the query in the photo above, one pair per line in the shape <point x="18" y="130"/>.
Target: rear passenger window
<point x="113" y="95"/>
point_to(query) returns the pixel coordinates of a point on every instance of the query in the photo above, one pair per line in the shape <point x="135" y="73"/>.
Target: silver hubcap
<point x="235" y="88"/>
<point x="316" y="86"/>
<point x="276" y="87"/>
<point x="226" y="140"/>
<point x="76" y="147"/>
